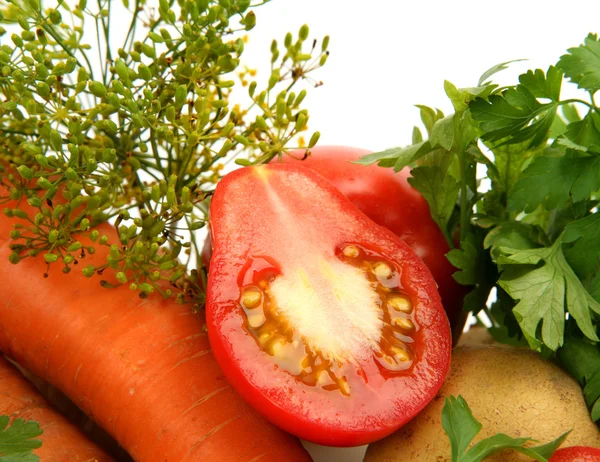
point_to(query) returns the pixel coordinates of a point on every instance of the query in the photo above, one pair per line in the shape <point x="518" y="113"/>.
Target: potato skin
<point x="512" y="391"/>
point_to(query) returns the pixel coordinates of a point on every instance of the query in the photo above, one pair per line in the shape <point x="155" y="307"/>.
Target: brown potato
<point x="512" y="391"/>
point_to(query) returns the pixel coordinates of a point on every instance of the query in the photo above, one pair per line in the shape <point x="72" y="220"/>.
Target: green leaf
<point x="581" y="358"/>
<point x="397" y="157"/>
<point x="508" y="330"/>
<point x="442" y="133"/>
<point x="462" y="97"/>
<point x="429" y="117"/>
<point x="511" y="234"/>
<point x="494" y="70"/>
<point x="459" y="424"/>
<point x="17" y="441"/>
<point x="465" y="259"/>
<point x="546" y="287"/>
<point x="509" y="160"/>
<point x="543" y="85"/>
<point x="584" y="252"/>
<point x="585" y="133"/>
<point x="461" y="427"/>
<point x="592" y="285"/>
<point x="501" y="442"/>
<point x="476" y="270"/>
<point x="516" y="115"/>
<point x="552" y="181"/>
<point x="439" y="189"/>
<point x="569" y="111"/>
<point x="582" y="64"/>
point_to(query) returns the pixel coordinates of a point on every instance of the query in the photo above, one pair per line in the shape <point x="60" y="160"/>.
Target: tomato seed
<point x="351" y="251"/>
<point x="382" y="270"/>
<point x="399" y="303"/>
<point x="404" y="323"/>
<point x="251" y="298"/>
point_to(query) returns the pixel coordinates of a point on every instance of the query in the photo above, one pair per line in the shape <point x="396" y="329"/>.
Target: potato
<point x="478" y="336"/>
<point x="512" y="391"/>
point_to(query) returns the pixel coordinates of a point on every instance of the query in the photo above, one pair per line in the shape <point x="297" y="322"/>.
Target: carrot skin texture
<point x="61" y="441"/>
<point x="142" y="369"/>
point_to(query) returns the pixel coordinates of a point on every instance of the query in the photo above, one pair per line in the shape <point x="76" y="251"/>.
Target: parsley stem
<point x="585" y="103"/>
<point x="464" y="214"/>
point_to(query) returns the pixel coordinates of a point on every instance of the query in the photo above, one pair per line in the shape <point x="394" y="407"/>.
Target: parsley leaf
<point x="442" y="133"/>
<point x="17" y="441"/>
<point x="461" y="97"/>
<point x="515" y="115"/>
<point x="543" y="85"/>
<point x="461" y="427"/>
<point x="582" y="64"/>
<point x="583" y="134"/>
<point x="582" y="359"/>
<point x="552" y="181"/>
<point x="439" y="189"/>
<point x="544" y="284"/>
<point x="495" y="69"/>
<point x="475" y="269"/>
<point x="509" y="160"/>
<point x="397" y="157"/>
<point x="507" y="330"/>
<point x="584" y="253"/>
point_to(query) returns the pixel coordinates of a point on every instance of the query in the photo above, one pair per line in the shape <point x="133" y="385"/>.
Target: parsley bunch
<point x="138" y="133"/>
<point x="533" y="236"/>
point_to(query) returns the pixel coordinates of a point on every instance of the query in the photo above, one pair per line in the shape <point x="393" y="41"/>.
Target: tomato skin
<point x="576" y="454"/>
<point x="242" y="217"/>
<point x="389" y="200"/>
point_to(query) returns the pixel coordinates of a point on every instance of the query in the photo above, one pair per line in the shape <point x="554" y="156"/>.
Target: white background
<point x="388" y="55"/>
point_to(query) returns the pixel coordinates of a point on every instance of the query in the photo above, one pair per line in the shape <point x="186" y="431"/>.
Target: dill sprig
<point x="138" y="135"/>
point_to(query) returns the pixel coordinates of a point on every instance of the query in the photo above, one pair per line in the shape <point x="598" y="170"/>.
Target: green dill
<point x="137" y="134"/>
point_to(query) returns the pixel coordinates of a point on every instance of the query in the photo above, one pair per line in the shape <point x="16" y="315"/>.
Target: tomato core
<point x="292" y="320"/>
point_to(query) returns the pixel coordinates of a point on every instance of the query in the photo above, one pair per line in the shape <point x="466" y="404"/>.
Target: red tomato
<point x="387" y="199"/>
<point x="576" y="454"/>
<point x="325" y="322"/>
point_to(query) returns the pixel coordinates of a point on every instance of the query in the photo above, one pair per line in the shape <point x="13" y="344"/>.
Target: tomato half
<point x="576" y="454"/>
<point x="324" y="321"/>
<point x="389" y="200"/>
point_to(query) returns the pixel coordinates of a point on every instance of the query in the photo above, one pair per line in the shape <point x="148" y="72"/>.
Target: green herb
<point x="17" y="441"/>
<point x="138" y="134"/>
<point x="461" y="427"/>
<point x="533" y="236"/>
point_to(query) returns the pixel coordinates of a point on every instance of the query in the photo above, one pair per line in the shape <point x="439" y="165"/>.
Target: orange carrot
<point x="142" y="369"/>
<point x="61" y="441"/>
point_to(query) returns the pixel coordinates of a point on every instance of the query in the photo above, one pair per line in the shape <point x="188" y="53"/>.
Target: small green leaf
<point x="17" y="441"/>
<point x="582" y="64"/>
<point x="461" y="427"/>
<point x="442" y="133"/>
<point x="543" y="85"/>
<point x="439" y="189"/>
<point x="459" y="424"/>
<point x="494" y="70"/>
<point x="583" y="253"/>
<point x="552" y="181"/>
<point x="516" y="115"/>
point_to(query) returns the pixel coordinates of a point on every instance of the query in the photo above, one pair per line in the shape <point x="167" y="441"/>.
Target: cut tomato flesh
<point x="325" y="322"/>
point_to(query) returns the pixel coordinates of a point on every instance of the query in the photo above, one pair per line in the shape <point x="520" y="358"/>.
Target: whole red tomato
<point x="576" y="454"/>
<point x="324" y="321"/>
<point x="387" y="199"/>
